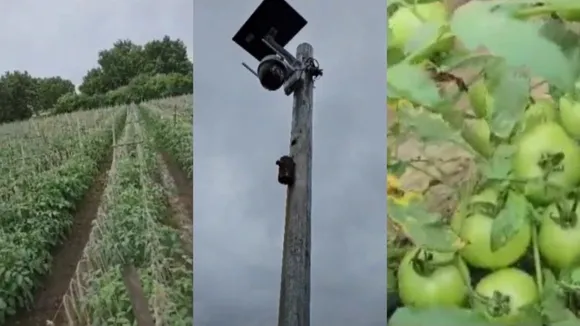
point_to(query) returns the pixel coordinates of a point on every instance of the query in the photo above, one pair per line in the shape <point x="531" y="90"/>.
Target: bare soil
<point x="139" y="301"/>
<point x="181" y="201"/>
<point x="49" y="296"/>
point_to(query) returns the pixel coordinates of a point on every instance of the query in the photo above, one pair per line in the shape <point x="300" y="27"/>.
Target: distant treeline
<point x="125" y="73"/>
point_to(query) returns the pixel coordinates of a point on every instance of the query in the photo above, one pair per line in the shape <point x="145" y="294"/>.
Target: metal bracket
<point x="286" y="167"/>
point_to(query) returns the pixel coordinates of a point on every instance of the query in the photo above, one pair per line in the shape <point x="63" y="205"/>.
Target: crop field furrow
<point x="181" y="208"/>
<point x="170" y="121"/>
<point x="131" y="243"/>
<point x="37" y="216"/>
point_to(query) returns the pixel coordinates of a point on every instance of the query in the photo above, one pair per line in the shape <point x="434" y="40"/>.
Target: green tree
<point x="94" y="82"/>
<point x="166" y="56"/>
<point x="19" y="98"/>
<point x="50" y="89"/>
<point x="125" y="61"/>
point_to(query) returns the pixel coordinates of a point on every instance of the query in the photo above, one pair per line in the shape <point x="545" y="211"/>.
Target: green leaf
<point x="553" y="305"/>
<point x="518" y="42"/>
<point x="430" y="128"/>
<point x="425" y="35"/>
<point x="423" y="228"/>
<point x="397" y="167"/>
<point x="437" y="317"/>
<point x="510" y="220"/>
<point x="511" y="96"/>
<point x="468" y="60"/>
<point x="412" y="83"/>
<point x="500" y="165"/>
<point x="567" y="40"/>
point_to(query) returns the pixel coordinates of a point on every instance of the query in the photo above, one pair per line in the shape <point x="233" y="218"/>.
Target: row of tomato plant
<point x="131" y="229"/>
<point x="37" y="145"/>
<point x="510" y="252"/>
<point x="171" y="124"/>
<point x="37" y="218"/>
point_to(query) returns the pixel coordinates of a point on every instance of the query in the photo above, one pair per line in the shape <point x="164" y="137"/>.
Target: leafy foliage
<point x="133" y="231"/>
<point x="37" y="202"/>
<point x="169" y="122"/>
<point x="525" y="41"/>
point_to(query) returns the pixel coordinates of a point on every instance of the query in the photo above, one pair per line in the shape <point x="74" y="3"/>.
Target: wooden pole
<point x="294" y="309"/>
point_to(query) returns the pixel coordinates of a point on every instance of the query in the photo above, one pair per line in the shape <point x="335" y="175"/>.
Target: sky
<point x="240" y="130"/>
<point x="63" y="38"/>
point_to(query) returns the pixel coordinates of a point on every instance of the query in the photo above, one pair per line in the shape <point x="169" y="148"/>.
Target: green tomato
<point x="536" y="150"/>
<point x="487" y="196"/>
<point x="559" y="243"/>
<point x="406" y="21"/>
<point x="445" y="286"/>
<point x="476" y="231"/>
<point x="570" y="116"/>
<point x="510" y="283"/>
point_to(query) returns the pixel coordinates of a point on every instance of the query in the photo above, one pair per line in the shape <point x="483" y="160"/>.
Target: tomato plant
<point x="503" y="294"/>
<point x="476" y="230"/>
<point x="505" y="96"/>
<point x="559" y="235"/>
<point x="428" y="279"/>
<point x="547" y="159"/>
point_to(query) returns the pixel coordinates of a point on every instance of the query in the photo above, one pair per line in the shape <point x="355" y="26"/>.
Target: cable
<point x="312" y="66"/>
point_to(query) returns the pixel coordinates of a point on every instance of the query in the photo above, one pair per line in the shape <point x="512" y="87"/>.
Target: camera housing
<point x="273" y="72"/>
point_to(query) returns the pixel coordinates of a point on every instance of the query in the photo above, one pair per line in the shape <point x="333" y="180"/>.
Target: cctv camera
<point x="272" y="72"/>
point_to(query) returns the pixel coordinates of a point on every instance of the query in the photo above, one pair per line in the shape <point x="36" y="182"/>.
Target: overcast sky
<point x="62" y="38"/>
<point x="240" y="131"/>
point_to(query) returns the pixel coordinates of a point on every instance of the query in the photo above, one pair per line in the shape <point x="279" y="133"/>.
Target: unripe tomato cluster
<point x="544" y="171"/>
<point x="546" y="152"/>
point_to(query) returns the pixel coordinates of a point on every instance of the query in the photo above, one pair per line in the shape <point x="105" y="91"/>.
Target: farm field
<point x="96" y="217"/>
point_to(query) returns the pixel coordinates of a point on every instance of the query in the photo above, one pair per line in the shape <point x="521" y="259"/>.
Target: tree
<point x="50" y="89"/>
<point x="125" y="61"/>
<point x="166" y="56"/>
<point x="94" y="82"/>
<point x="18" y="96"/>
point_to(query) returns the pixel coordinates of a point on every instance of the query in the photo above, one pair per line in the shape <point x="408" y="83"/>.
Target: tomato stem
<point x="421" y="263"/>
<point x="498" y="305"/>
<point x="534" y="11"/>
<point x="537" y="259"/>
<point x="567" y="217"/>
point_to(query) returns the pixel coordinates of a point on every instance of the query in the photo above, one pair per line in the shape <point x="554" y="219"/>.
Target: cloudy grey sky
<point x="63" y="37"/>
<point x="240" y="131"/>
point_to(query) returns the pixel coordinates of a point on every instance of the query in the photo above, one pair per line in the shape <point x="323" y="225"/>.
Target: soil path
<point x="182" y="204"/>
<point x="49" y="296"/>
